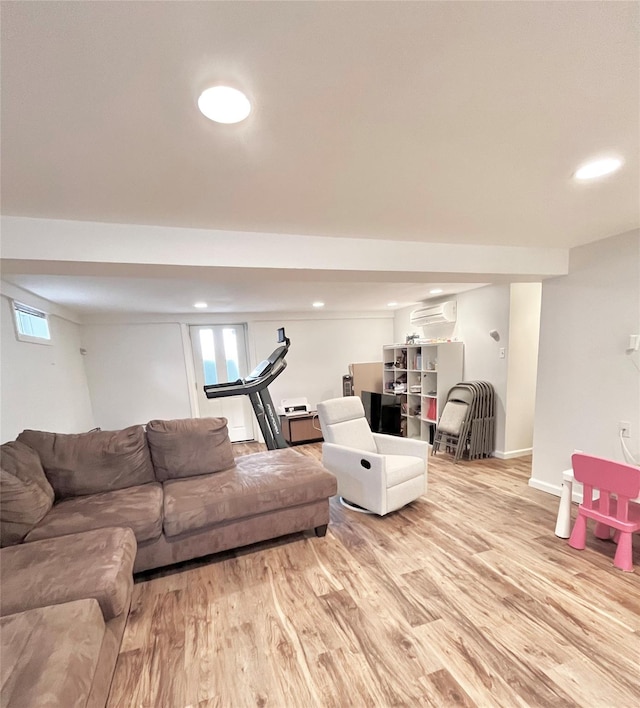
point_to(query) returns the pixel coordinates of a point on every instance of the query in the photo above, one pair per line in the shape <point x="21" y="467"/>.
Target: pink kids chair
<point x="618" y="484"/>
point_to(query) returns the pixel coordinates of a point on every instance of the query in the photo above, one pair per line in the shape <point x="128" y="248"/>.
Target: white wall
<point x="479" y="311"/>
<point x="587" y="382"/>
<point x="44" y="387"/>
<point x="522" y="366"/>
<point x="136" y="373"/>
<point x="321" y="351"/>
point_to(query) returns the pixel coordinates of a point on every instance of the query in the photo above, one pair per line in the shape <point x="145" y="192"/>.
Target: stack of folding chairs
<point x="467" y="424"/>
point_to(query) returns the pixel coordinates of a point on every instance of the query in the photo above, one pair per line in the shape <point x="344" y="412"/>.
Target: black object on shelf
<point x="383" y="412"/>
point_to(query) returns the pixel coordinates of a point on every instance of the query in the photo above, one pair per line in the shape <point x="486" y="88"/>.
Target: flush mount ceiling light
<point x="318" y="304"/>
<point x="224" y="104"/>
<point x="435" y="291"/>
<point x="392" y="304"/>
<point x="598" y="168"/>
<point x="200" y="305"/>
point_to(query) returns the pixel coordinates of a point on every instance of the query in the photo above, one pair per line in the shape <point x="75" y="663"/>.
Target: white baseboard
<point x="555" y="489"/>
<point x="512" y="453"/>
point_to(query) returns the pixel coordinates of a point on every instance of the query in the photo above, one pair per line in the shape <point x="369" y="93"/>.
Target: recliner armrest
<point x="368" y="480"/>
<point x="394" y="445"/>
<point x="353" y="457"/>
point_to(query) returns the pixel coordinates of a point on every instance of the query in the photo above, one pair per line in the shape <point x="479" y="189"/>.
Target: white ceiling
<point x="445" y="122"/>
<point x="107" y="295"/>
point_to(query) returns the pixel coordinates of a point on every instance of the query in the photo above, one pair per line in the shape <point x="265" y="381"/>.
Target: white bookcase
<point x="421" y="375"/>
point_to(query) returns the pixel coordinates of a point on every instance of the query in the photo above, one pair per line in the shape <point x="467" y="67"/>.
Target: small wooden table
<point x="301" y="428"/>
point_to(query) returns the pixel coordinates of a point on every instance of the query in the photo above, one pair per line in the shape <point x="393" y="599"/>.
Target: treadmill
<point x="255" y="385"/>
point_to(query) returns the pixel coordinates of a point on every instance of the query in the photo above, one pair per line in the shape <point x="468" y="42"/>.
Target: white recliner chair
<point x="379" y="473"/>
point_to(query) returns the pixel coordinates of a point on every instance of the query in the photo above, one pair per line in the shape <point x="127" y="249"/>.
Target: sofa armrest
<point x="93" y="564"/>
<point x="394" y="445"/>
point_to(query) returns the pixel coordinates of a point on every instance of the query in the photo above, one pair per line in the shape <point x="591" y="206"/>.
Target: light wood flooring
<point x="463" y="598"/>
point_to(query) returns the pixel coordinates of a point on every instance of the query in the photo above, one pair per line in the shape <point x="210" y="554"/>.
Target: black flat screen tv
<point x="383" y="412"/>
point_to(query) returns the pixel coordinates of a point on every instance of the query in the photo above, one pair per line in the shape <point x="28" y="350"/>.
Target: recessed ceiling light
<point x="392" y="304"/>
<point x="199" y="305"/>
<point x="224" y="104"/>
<point x="318" y="304"/>
<point x="598" y="168"/>
<point x="436" y="291"/>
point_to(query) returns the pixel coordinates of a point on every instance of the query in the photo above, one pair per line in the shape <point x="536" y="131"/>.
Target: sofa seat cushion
<point x="25" y="494"/>
<point x="49" y="655"/>
<point x="189" y="447"/>
<point x="138" y="508"/>
<point x="89" y="463"/>
<point x="95" y="564"/>
<point x="259" y="483"/>
<point x="402" y="468"/>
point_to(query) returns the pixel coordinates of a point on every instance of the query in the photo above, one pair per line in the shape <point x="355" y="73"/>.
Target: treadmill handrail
<point x="246" y="387"/>
<point x="253" y="382"/>
<point x="226" y="384"/>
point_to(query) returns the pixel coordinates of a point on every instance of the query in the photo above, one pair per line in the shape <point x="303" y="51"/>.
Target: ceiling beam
<point x="93" y="248"/>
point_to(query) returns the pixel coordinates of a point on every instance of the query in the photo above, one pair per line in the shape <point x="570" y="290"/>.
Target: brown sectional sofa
<point x="64" y="604"/>
<point x="80" y="513"/>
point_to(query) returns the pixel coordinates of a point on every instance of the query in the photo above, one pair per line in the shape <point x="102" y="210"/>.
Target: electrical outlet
<point x="624" y="428"/>
<point x="501" y="353"/>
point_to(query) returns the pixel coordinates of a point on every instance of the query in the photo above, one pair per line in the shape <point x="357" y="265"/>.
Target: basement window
<point x="31" y="325"/>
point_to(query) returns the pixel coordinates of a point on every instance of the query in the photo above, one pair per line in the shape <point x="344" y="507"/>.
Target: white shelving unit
<point x="422" y="375"/>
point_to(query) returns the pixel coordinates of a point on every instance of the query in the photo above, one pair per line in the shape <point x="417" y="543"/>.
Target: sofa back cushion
<point x="189" y="447"/>
<point x="25" y="494"/>
<point x="88" y="463"/>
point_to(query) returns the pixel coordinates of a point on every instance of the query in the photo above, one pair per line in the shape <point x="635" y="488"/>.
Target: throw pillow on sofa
<point x="26" y="496"/>
<point x="189" y="447"/>
<point x="88" y="463"/>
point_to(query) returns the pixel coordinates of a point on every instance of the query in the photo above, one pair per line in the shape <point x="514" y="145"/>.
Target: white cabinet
<point x="421" y="375"/>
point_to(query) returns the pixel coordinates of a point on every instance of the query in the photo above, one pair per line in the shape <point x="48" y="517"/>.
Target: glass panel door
<point x="220" y="356"/>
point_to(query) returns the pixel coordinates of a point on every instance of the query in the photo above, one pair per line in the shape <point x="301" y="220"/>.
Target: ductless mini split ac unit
<point x="434" y="314"/>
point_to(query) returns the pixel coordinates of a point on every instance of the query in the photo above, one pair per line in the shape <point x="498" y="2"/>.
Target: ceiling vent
<point x="434" y="314"/>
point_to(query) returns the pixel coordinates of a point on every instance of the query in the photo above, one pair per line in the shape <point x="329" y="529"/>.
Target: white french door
<point x="220" y="356"/>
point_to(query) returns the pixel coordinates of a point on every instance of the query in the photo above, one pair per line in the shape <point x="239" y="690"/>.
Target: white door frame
<point x="190" y="351"/>
<point x="190" y="369"/>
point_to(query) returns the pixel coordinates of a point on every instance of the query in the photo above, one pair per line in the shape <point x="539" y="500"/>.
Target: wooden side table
<point x="301" y="428"/>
